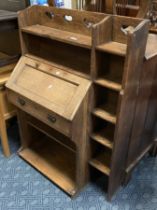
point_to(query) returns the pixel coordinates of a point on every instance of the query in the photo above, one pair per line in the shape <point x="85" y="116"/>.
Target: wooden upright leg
<point x="3" y="129"/>
<point x="4" y="138"/>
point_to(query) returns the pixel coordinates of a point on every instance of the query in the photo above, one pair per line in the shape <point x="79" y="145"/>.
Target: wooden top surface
<point x="7" y="15"/>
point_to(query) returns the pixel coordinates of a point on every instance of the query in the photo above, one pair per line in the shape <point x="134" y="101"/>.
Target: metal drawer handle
<point x="51" y="118"/>
<point x="21" y="102"/>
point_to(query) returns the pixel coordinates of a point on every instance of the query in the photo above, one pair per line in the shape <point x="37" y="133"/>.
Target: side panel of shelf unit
<point x="127" y="105"/>
<point x="142" y="138"/>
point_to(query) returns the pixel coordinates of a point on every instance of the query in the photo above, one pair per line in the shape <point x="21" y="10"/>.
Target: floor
<point x="23" y="188"/>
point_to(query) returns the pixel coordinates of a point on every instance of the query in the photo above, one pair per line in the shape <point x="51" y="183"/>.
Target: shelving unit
<point x="116" y="71"/>
<point x="55" y="51"/>
<point x="58" y="32"/>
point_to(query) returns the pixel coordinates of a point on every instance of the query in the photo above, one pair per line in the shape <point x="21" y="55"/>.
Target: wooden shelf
<point x="102" y="163"/>
<point x="54" y="161"/>
<point x="107" y="112"/>
<point x="9" y="115"/>
<point x="104" y="115"/>
<point x="100" y="138"/>
<point x="59" y="35"/>
<point x="109" y="84"/>
<point x="103" y="132"/>
<point x="113" y="47"/>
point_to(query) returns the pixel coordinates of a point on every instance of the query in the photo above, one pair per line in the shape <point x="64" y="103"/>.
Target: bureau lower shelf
<point x="53" y="160"/>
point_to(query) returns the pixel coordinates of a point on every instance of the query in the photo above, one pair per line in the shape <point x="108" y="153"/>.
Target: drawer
<point x="50" y="118"/>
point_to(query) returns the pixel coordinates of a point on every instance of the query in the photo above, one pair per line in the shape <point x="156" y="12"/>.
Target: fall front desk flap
<point x="47" y="86"/>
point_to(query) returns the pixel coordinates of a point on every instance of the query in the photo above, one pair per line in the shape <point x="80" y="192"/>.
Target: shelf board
<point x="59" y="35"/>
<point x="101" y="162"/>
<point x="109" y="84"/>
<point x="54" y="161"/>
<point x="105" y="115"/>
<point x="98" y="137"/>
<point x="9" y="115"/>
<point x="113" y="47"/>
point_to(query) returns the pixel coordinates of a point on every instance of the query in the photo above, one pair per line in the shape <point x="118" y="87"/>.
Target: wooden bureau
<point x="59" y="100"/>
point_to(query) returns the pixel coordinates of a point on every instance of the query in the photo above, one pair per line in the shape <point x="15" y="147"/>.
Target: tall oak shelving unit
<point x="117" y="68"/>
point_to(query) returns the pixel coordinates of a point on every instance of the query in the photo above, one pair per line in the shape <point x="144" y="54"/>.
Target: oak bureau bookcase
<point x="77" y="89"/>
<point x="53" y="101"/>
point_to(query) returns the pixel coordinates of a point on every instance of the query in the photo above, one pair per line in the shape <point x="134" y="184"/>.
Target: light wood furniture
<point x="101" y="54"/>
<point x="7" y="110"/>
<point x="117" y="72"/>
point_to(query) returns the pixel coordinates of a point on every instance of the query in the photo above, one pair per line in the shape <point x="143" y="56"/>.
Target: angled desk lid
<point x="48" y="86"/>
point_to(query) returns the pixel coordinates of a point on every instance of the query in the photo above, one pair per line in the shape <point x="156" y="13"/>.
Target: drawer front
<point x="46" y="116"/>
